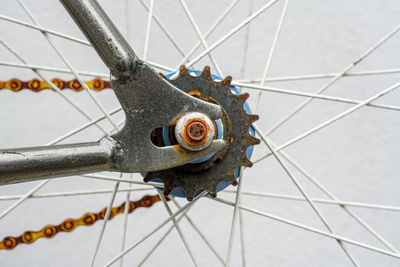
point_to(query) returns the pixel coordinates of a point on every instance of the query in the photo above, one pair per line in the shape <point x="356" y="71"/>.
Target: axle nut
<point x="194" y="131"/>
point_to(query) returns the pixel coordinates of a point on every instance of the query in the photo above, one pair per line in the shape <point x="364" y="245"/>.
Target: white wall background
<point x="357" y="158"/>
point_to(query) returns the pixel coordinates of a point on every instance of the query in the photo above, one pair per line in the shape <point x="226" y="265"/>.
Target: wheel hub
<point x="216" y="171"/>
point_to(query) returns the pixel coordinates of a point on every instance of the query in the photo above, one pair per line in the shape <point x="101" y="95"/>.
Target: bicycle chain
<point x="69" y="225"/>
<point x="37" y="85"/>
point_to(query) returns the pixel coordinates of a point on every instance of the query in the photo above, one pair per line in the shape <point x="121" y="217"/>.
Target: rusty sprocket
<point x="236" y="122"/>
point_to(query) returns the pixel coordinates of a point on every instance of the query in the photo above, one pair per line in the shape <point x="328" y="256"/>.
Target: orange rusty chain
<point x="69" y="225"/>
<point x="37" y="85"/>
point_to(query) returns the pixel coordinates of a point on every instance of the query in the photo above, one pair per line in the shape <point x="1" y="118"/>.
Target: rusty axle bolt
<point x="194" y="131"/>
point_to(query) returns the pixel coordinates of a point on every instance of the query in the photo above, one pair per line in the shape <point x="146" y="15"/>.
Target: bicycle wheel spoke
<point x="271" y="147"/>
<point x="242" y="239"/>
<point x="46" y="30"/>
<point x="335" y="79"/>
<point x="159" y="66"/>
<point x="23" y="198"/>
<point x="190" y="221"/>
<point x="125" y="223"/>
<point x="318" y="76"/>
<point x="164" y="29"/>
<point x="85" y="126"/>
<point x="209" y="31"/>
<point x="238" y="81"/>
<point x="328" y="122"/>
<point x="318" y="200"/>
<point x="242" y="74"/>
<point x="52" y="69"/>
<point x="116" y="179"/>
<point x="234" y="217"/>
<point x="312" y="95"/>
<point x="53" y="86"/>
<point x="148" y="27"/>
<point x="104" y="225"/>
<point x="232" y="32"/>
<point x="125" y="227"/>
<point x="309" y="228"/>
<point x="271" y="52"/>
<point x="246" y="43"/>
<point x="158" y="243"/>
<point x="74" y="193"/>
<point x="178" y="228"/>
<point x="156" y="228"/>
<point x="67" y="63"/>
<point x="200" y="36"/>
<point x="333" y="197"/>
<point x="81" y="72"/>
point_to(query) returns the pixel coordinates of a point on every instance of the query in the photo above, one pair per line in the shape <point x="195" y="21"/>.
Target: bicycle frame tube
<point x="34" y="163"/>
<point x="28" y="164"/>
<point x="147" y="99"/>
<point x="104" y="36"/>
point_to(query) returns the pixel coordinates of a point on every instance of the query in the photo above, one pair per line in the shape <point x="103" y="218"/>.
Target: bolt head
<point x="194" y="131"/>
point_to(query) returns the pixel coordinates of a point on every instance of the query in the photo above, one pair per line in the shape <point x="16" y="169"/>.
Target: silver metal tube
<point x="147" y="100"/>
<point x="104" y="36"/>
<point x="34" y="163"/>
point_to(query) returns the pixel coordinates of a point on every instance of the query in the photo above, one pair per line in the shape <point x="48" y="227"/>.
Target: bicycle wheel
<point x="323" y="189"/>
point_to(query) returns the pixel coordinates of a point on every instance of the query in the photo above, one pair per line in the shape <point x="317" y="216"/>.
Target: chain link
<point x="69" y="225"/>
<point x="37" y="85"/>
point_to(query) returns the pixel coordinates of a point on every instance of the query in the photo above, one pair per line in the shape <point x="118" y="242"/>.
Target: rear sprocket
<point x="223" y="165"/>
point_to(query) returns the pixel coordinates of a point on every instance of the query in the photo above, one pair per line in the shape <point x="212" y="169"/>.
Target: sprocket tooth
<point x="253" y="140"/>
<point x="243" y="97"/>
<point x="206" y="73"/>
<point x="229" y="178"/>
<point x="183" y="71"/>
<point x="227" y="81"/>
<point x="189" y="197"/>
<point x="253" y="118"/>
<point x="247" y="163"/>
<point x="189" y="192"/>
<point x="233" y="181"/>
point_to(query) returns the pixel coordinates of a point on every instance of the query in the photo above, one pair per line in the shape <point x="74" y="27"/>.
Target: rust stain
<point x="187" y="130"/>
<point x="195" y="93"/>
<point x="196" y="131"/>
<point x="184" y="152"/>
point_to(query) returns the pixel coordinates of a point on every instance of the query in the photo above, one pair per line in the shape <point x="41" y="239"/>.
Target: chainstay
<point x="36" y="85"/>
<point x="69" y="225"/>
